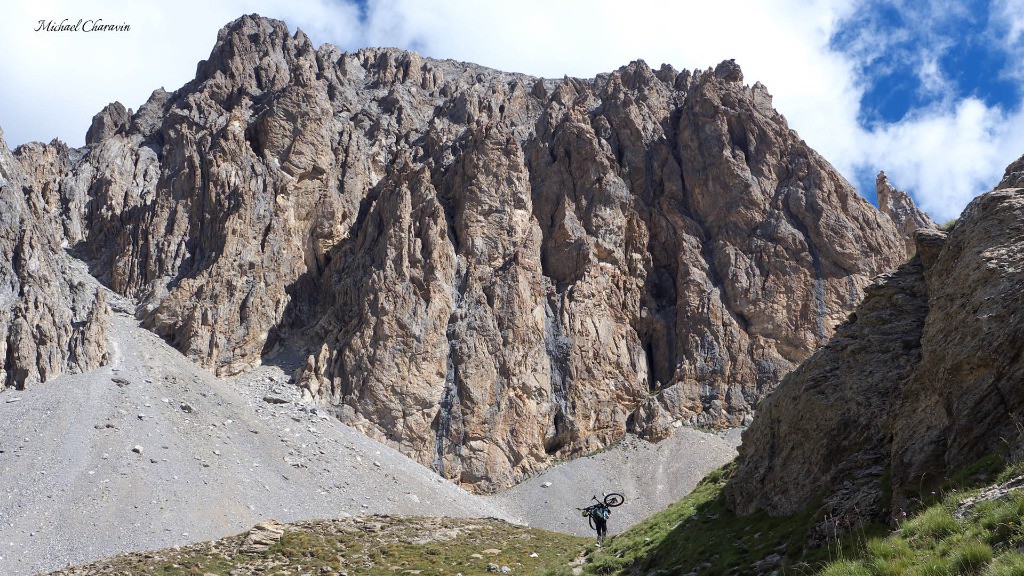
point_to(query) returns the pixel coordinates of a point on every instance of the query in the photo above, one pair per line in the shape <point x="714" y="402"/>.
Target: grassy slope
<point x="376" y="545"/>
<point x="699" y="534"/>
<point x="933" y="542"/>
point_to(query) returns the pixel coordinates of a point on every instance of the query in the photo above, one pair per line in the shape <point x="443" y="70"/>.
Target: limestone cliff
<point x="490" y="270"/>
<point x="923" y="379"/>
<point x="50" y="324"/>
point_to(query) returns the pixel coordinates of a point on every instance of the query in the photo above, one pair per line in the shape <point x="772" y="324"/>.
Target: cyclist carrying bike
<point x="600" y="515"/>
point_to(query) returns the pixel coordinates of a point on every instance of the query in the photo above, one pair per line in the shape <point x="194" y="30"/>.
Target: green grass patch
<point x="700" y="534"/>
<point x="1010" y="471"/>
<point x="971" y="556"/>
<point x="372" y="546"/>
<point x="934" y="522"/>
<point x="933" y="542"/>
<point x="845" y="568"/>
<point x="1007" y="564"/>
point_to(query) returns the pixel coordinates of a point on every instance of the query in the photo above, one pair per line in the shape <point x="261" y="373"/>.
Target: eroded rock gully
<point x="490" y="270"/>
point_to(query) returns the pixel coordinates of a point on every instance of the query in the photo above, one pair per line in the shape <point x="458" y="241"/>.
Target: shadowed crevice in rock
<point x="449" y="425"/>
<point x="557" y="346"/>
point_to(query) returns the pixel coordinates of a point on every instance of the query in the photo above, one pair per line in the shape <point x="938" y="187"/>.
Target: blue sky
<point x="927" y="54"/>
<point x="920" y="59"/>
<point x="928" y="91"/>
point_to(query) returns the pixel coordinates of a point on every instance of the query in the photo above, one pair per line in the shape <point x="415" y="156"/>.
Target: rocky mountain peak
<point x="900" y="208"/>
<point x="258" y="55"/>
<point x="1013" y="177"/>
<point x="487" y="270"/>
<point x="729" y="71"/>
<point x="113" y="118"/>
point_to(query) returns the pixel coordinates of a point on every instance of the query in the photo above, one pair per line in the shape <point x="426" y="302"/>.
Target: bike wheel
<point x="591" y="519"/>
<point x="614" y="499"/>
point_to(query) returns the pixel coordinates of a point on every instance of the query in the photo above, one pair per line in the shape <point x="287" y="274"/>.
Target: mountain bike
<point x="610" y="501"/>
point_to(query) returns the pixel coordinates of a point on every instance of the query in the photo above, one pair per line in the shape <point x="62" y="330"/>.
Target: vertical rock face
<point x="900" y="208"/>
<point x="490" y="270"/>
<point x="50" y="324"/>
<point x="828" y="427"/>
<point x="922" y="380"/>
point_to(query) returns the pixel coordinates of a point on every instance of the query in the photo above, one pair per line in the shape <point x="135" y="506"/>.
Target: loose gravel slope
<point x="152" y="452"/>
<point x="650" y="476"/>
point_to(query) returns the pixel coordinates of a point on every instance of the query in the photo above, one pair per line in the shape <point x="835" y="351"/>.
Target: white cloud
<point x="948" y="157"/>
<point x="1006" y="26"/>
<point x="933" y="79"/>
<point x="1013" y="12"/>
<point x="55" y="82"/>
<point x="60" y="80"/>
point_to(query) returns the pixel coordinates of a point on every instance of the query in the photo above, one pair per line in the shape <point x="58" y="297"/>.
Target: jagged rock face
<point x="50" y="324"/>
<point x="1013" y="177"/>
<point x="491" y="270"/>
<point x="966" y="396"/>
<point x="900" y="208"/>
<point x="828" y="427"/>
<point x="923" y="380"/>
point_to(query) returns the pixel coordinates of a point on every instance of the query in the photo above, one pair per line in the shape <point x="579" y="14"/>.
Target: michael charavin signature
<point x="82" y="25"/>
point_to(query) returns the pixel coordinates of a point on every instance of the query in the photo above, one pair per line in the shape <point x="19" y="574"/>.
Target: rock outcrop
<point x="50" y="324"/>
<point x="490" y="270"/>
<point x="261" y="537"/>
<point x="900" y="208"/>
<point x="828" y="427"/>
<point x="922" y="380"/>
